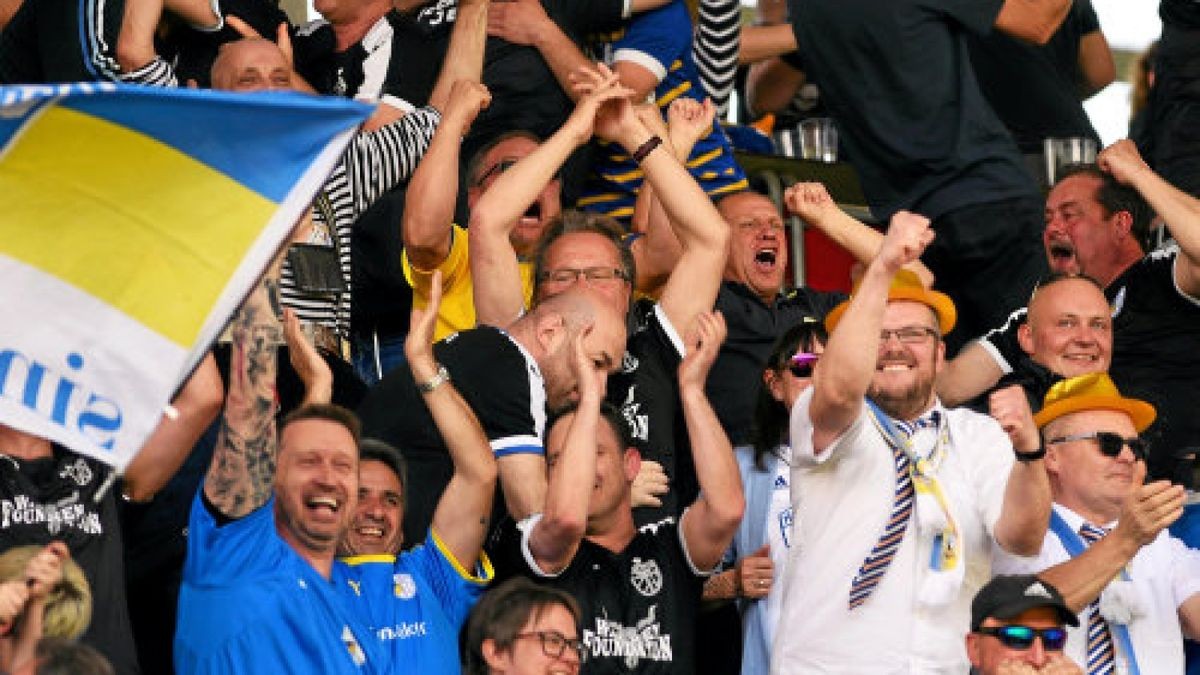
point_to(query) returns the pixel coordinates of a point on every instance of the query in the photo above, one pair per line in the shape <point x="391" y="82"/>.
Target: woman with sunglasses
<point x="760" y="546"/>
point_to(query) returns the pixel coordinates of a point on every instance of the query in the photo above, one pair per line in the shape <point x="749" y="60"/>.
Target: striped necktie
<point x="1100" y="654"/>
<point x="877" y="562"/>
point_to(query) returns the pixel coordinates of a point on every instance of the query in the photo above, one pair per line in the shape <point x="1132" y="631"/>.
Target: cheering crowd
<point x="528" y="391"/>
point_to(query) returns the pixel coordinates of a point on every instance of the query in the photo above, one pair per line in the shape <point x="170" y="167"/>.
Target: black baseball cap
<point x="1005" y="597"/>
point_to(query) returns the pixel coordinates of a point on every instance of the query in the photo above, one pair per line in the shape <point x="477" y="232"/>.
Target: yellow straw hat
<point x="906" y="285"/>
<point x="1094" y="391"/>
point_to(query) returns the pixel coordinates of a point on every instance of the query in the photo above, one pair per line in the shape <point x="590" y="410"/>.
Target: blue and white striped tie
<point x="877" y="562"/>
<point x="1100" y="655"/>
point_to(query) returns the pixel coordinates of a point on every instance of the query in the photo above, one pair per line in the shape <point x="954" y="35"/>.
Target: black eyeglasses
<point x="1021" y="637"/>
<point x="1109" y="442"/>
<point x="909" y="335"/>
<point x="572" y="274"/>
<point x="495" y="170"/>
<point x="554" y="643"/>
<point x="802" y="364"/>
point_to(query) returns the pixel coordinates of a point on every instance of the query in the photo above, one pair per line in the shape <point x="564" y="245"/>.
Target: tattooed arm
<point x="240" y="477"/>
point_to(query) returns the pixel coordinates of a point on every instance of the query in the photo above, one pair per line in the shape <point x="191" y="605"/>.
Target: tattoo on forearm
<point x="243" y="467"/>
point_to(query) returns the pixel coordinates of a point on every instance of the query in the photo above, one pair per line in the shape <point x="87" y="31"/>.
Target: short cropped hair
<point x="571" y="221"/>
<point x="1115" y="197"/>
<point x="608" y="414"/>
<point x="57" y="656"/>
<point x="373" y="449"/>
<point x="328" y="412"/>
<point x="504" y="611"/>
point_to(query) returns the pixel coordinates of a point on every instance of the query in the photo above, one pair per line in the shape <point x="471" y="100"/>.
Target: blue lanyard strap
<point x="1074" y="544"/>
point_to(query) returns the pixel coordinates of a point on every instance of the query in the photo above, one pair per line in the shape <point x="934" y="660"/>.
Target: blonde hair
<point x="69" y="604"/>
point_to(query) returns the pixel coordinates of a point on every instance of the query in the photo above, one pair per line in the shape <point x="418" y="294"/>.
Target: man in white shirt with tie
<point x="1136" y="588"/>
<point x="897" y="498"/>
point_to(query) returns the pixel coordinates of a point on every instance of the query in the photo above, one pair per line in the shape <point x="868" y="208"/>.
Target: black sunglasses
<point x="1021" y="637"/>
<point x="1110" y="443"/>
<point x="802" y="364"/>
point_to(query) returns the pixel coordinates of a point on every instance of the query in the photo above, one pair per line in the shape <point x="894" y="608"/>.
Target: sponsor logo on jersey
<point x="67" y="513"/>
<point x="643" y="641"/>
<point x="403" y="631"/>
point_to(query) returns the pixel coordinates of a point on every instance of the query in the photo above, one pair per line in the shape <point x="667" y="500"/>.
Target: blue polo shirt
<point x="250" y="604"/>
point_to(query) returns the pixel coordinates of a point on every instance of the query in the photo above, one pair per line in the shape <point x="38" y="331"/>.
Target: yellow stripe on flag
<point x="128" y="219"/>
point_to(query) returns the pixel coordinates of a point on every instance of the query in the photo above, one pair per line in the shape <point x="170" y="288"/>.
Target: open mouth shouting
<point x="323" y="507"/>
<point x="1061" y="253"/>
<point x="766" y="258"/>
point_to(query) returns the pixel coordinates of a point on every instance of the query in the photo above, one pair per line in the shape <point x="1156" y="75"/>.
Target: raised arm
<point x="525" y="22"/>
<point x="242" y="471"/>
<point x="464" y="56"/>
<point x="461" y="517"/>
<point x="848" y="365"/>
<point x="499" y="299"/>
<point x="1026" y="509"/>
<point x="1148" y="509"/>
<point x="1096" y="67"/>
<point x="572" y="469"/>
<point x="1179" y="210"/>
<point x="196" y="406"/>
<point x="811" y="201"/>
<point x="308" y="363"/>
<point x="711" y="521"/>
<point x="970" y="373"/>
<point x="1032" y="20"/>
<point x="429" y="208"/>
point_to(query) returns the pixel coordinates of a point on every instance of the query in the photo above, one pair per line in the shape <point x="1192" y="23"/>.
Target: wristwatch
<point x="436" y="381"/>
<point x="1032" y="455"/>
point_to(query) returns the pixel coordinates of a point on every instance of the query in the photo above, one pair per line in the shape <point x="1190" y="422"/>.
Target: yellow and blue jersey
<point x="414" y="603"/>
<point x="660" y="41"/>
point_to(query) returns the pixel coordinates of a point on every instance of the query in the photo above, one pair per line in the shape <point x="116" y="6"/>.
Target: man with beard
<point x="899" y="500"/>
<point x="509" y="378"/>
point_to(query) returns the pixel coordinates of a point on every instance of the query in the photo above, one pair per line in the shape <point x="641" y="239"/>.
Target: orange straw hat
<point x="1094" y="391"/>
<point x="906" y="285"/>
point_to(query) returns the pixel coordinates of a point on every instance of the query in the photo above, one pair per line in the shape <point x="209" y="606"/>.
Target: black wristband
<point x="646" y="148"/>
<point x="1032" y="455"/>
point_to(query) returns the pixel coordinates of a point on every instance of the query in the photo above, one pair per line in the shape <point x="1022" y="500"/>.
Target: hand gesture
<point x="1010" y="407"/>
<point x="520" y="22"/>
<point x="590" y="378"/>
<point x="44" y="571"/>
<point x="467" y="99"/>
<point x="1149" y="508"/>
<point x="1122" y="160"/>
<point x="13" y="596"/>
<point x="705" y="340"/>
<point x="756" y="573"/>
<point x="690" y="120"/>
<point x="905" y="241"/>
<point x="418" y="345"/>
<point x="282" y="39"/>
<point x="651" y="117"/>
<point x="810" y="201"/>
<point x="308" y="363"/>
<point x="603" y="103"/>
<point x="650" y="484"/>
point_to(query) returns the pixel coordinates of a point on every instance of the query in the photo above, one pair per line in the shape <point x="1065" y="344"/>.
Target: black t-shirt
<point x="54" y="499"/>
<point x="647" y="394"/>
<point x="1181" y="13"/>
<point x="897" y="78"/>
<point x="1156" y="353"/>
<point x="61" y="41"/>
<point x="525" y="94"/>
<point x="736" y="376"/>
<point x="500" y="382"/>
<point x="1034" y="88"/>
<point x="638" y="607"/>
<point x="1018" y="367"/>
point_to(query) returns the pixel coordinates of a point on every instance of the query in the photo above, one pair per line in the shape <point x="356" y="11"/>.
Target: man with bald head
<point x="509" y="378"/>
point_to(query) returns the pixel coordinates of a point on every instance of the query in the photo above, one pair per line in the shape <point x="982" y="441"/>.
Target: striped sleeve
<point x="157" y="73"/>
<point x="715" y="48"/>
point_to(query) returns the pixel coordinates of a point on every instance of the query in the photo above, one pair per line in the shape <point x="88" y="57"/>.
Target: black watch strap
<point x="1031" y="456"/>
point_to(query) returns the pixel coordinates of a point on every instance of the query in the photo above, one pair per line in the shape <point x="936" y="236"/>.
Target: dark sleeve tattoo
<point x="242" y="472"/>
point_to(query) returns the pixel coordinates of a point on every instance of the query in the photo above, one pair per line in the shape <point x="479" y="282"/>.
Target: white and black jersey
<point x="61" y="41"/>
<point x="56" y="499"/>
<point x="1156" y="353"/>
<point x="638" y="606"/>
<point x="497" y="378"/>
<point x="715" y="47"/>
<point x="646" y="393"/>
<point x="374" y="162"/>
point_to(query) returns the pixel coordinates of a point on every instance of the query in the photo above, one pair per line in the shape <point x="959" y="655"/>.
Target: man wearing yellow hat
<point x="898" y="500"/>
<point x="1136" y="588"/>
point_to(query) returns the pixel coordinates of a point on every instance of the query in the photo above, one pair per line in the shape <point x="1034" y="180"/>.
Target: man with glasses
<point x="898" y="500"/>
<point x="1136" y="588"/>
<point x="1018" y="625"/>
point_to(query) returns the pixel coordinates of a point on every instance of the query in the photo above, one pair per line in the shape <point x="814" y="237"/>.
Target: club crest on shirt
<point x="403" y="586"/>
<point x="78" y="471"/>
<point x="646" y="576"/>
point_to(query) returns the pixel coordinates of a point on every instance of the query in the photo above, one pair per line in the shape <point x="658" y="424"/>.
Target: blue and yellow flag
<point x="133" y="222"/>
